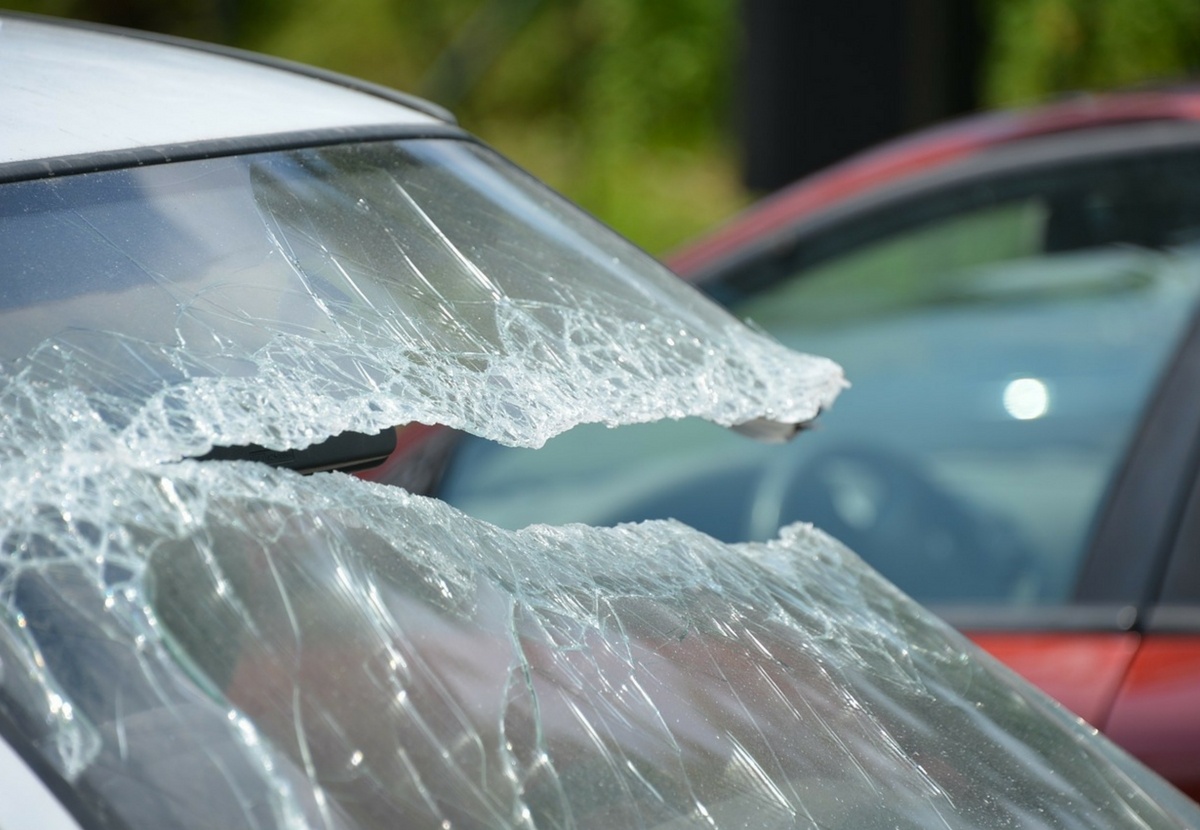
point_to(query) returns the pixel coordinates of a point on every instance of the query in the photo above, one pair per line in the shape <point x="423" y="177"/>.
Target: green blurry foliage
<point x="618" y="103"/>
<point x="624" y="104"/>
<point x="621" y="104"/>
<point x="201" y="19"/>
<point x="1042" y="47"/>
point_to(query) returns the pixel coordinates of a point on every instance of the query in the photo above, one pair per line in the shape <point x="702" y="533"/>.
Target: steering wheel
<point x="933" y="543"/>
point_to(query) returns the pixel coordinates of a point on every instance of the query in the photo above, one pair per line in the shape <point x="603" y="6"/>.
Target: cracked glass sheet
<point x="247" y="647"/>
<point x="283" y="299"/>
<point x="193" y="644"/>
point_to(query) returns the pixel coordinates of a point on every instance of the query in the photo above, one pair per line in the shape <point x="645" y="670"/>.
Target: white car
<point x="221" y="273"/>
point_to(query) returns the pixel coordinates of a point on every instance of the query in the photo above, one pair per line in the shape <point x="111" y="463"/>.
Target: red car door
<point x="1156" y="714"/>
<point x="1084" y="671"/>
<point x="1143" y="691"/>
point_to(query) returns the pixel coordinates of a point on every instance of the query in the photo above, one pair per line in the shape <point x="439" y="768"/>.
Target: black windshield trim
<point x="48" y="168"/>
<point x="347" y="453"/>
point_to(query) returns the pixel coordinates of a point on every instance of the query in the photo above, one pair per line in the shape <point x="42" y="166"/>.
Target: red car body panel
<point x="1142" y="690"/>
<point x="411" y="440"/>
<point x="1083" y="671"/>
<point x="1156" y="715"/>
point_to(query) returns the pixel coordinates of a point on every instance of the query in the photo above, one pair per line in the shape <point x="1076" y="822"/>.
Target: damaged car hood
<point x="198" y="643"/>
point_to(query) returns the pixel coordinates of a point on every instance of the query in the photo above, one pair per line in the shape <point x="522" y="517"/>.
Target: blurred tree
<point x="624" y="104"/>
<point x="202" y="19"/>
<point x="1042" y="47"/>
<point x="620" y="104"/>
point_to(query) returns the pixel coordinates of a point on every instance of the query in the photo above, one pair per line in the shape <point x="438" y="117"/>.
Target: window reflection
<point x="1026" y="399"/>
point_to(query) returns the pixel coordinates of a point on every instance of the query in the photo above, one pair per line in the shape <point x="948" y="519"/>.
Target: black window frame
<point x="1174" y="604"/>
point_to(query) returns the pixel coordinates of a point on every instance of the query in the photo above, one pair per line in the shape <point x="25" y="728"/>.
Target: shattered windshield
<point x="277" y="298"/>
<point x="192" y="643"/>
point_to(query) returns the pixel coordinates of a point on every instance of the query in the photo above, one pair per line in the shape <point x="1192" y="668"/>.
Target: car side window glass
<point x="1000" y="364"/>
<point x="922" y="266"/>
<point x="1002" y="339"/>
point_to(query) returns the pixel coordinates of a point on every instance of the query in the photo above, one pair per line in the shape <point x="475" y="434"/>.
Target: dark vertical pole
<point x="821" y="79"/>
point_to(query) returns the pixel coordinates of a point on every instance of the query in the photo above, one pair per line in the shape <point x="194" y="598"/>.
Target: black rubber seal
<point x="47" y="168"/>
<point x="347" y="453"/>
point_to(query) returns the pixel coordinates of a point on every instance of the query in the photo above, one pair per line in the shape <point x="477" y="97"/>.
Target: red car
<point x="1014" y="298"/>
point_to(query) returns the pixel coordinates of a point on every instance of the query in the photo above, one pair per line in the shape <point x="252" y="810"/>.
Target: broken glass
<point x="221" y="643"/>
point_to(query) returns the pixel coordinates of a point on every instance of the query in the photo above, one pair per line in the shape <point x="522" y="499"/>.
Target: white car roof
<point x="68" y="91"/>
